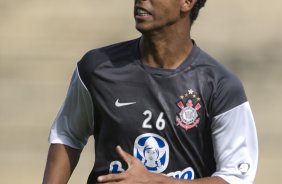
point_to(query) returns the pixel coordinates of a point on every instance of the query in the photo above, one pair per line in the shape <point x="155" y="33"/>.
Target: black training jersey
<point x="187" y="123"/>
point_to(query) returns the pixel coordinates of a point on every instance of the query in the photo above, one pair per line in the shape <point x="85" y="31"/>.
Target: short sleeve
<point x="234" y="134"/>
<point x="235" y="145"/>
<point x="75" y="121"/>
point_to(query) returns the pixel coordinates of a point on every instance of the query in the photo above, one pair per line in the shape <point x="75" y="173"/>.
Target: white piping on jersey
<point x="89" y="95"/>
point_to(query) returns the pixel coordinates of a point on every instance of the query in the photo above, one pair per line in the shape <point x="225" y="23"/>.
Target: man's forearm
<point x="60" y="164"/>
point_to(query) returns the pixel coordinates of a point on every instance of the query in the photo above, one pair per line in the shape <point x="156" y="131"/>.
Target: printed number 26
<point x="160" y="123"/>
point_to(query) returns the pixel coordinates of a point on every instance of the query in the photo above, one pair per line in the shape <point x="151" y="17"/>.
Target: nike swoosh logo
<point x="119" y="104"/>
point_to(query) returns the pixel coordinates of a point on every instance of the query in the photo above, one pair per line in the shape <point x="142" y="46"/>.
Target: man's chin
<point x="144" y="29"/>
<point x="148" y="29"/>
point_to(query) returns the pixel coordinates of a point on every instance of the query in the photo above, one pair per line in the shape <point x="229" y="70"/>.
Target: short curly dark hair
<point x="195" y="10"/>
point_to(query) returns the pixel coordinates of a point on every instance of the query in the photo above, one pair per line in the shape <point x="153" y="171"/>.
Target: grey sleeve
<point x="235" y="145"/>
<point x="75" y="121"/>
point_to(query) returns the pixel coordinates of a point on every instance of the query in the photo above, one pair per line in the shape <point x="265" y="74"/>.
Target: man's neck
<point x="163" y="50"/>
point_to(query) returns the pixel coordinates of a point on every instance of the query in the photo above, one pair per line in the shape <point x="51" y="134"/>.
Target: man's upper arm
<point x="235" y="145"/>
<point x="234" y="133"/>
<point x="75" y="120"/>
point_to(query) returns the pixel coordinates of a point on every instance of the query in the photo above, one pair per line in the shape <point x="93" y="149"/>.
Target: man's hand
<point x="136" y="172"/>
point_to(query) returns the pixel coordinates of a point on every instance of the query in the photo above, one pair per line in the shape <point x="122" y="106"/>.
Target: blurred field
<point x="41" y="41"/>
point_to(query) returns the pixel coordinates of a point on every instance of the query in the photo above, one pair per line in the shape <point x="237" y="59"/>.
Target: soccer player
<point x="160" y="109"/>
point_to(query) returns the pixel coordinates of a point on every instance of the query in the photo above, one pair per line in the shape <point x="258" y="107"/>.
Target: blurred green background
<point x="41" y="41"/>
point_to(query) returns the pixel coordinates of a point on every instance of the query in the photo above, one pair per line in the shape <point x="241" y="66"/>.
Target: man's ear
<point x="187" y="5"/>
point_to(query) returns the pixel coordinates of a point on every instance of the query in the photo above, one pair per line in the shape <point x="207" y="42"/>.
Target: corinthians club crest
<point x="188" y="116"/>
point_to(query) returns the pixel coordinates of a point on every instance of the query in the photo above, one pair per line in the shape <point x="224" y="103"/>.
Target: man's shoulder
<point x="109" y="56"/>
<point x="213" y="66"/>
<point x="206" y="59"/>
<point x="226" y="88"/>
<point x="111" y="52"/>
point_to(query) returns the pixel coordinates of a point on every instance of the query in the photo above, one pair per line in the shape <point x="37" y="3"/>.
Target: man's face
<point x="153" y="15"/>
